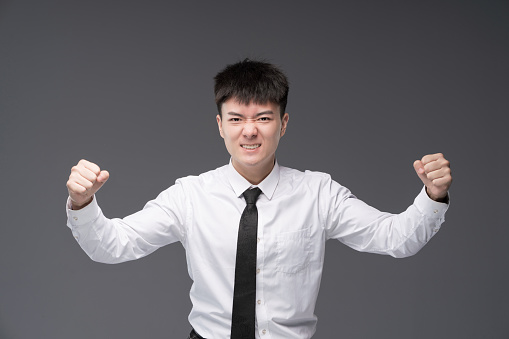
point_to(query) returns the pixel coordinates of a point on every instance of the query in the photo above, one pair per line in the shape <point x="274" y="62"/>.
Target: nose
<point x="250" y="130"/>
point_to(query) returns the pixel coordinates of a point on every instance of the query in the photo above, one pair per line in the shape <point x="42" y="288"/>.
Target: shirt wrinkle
<point x="298" y="212"/>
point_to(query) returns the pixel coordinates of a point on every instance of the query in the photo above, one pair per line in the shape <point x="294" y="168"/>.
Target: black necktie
<point x="244" y="291"/>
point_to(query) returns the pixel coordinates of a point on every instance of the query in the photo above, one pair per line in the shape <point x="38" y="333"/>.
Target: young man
<point x="254" y="231"/>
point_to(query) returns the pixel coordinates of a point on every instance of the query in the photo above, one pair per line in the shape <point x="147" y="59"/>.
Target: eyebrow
<point x="257" y="114"/>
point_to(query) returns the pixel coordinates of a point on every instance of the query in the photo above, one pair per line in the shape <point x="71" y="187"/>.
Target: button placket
<point x="261" y="312"/>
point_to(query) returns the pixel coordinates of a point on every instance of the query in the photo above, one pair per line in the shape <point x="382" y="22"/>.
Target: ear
<point x="284" y="123"/>
<point x="219" y="125"/>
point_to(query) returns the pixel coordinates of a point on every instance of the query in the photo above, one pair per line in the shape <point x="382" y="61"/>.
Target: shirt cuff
<point x="86" y="215"/>
<point x="430" y="207"/>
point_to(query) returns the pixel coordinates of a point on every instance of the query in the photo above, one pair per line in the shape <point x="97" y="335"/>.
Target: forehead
<point x="234" y="106"/>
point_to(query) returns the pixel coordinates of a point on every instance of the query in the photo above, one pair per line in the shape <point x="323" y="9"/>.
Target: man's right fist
<point x="86" y="178"/>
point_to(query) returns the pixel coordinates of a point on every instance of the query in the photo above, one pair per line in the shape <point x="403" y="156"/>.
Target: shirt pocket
<point x="293" y="251"/>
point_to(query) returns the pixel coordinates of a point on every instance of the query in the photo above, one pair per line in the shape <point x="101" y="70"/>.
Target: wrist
<point x="441" y="198"/>
<point x="76" y="206"/>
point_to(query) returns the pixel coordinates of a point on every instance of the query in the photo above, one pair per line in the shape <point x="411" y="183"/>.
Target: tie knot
<point x="251" y="195"/>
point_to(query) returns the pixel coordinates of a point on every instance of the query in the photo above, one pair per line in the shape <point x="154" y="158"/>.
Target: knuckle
<point x="94" y="168"/>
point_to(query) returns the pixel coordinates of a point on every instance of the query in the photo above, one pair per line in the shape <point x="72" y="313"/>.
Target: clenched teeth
<point x="251" y="146"/>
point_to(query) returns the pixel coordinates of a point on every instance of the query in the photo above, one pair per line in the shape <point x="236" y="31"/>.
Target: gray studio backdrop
<point x="374" y="86"/>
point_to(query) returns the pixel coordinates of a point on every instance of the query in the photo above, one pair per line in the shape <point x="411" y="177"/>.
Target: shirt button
<point x="257" y="271"/>
<point x="264" y="331"/>
<point x="435" y="230"/>
<point x="257" y="239"/>
<point x="259" y="302"/>
<point x="75" y="218"/>
<point x="435" y="211"/>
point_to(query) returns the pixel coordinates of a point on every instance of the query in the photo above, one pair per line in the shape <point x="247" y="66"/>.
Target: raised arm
<point x="116" y="240"/>
<point x="367" y="229"/>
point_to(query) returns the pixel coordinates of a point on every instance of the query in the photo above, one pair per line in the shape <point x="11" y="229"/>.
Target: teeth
<point x="251" y="146"/>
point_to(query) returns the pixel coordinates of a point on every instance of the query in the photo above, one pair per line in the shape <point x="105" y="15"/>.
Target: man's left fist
<point x="435" y="173"/>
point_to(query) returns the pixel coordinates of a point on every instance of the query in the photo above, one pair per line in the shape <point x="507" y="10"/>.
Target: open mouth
<point x="255" y="146"/>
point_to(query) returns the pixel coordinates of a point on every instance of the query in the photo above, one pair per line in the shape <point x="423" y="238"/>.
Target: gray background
<point x="374" y="86"/>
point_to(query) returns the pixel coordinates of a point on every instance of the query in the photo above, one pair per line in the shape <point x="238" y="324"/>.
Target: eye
<point x="235" y="119"/>
<point x="264" y="118"/>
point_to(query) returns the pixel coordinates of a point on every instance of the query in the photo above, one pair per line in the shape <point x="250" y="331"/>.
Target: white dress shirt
<point x="297" y="212"/>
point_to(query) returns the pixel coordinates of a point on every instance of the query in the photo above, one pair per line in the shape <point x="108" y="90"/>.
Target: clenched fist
<point x="435" y="173"/>
<point x="86" y="178"/>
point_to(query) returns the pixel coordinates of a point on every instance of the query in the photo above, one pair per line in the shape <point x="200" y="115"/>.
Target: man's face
<point x="251" y="134"/>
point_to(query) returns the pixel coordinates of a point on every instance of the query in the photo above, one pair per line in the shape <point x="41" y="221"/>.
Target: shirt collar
<point x="240" y="184"/>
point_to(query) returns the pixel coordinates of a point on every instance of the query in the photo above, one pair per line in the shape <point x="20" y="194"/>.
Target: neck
<point x="254" y="174"/>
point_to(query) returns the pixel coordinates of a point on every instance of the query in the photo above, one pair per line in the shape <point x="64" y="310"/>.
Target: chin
<point x="258" y="162"/>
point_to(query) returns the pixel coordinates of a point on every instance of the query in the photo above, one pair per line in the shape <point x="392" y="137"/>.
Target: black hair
<point x="251" y="81"/>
